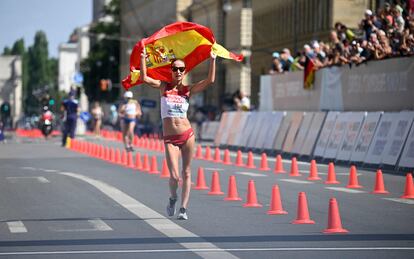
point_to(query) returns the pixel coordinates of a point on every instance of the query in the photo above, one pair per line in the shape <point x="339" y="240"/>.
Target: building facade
<point x="11" y="88"/>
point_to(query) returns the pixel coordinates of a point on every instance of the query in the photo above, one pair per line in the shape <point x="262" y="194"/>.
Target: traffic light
<point x="51" y="101"/>
<point x="5" y="109"/>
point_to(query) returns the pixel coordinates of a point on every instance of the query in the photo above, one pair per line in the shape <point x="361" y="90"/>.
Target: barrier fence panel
<point x="249" y="129"/>
<point x="303" y="131"/>
<point x="407" y="157"/>
<point x="254" y="140"/>
<point x="365" y="136"/>
<point x="313" y="133"/>
<point x="381" y="137"/>
<point x="209" y="129"/>
<point x="337" y="135"/>
<point x="240" y="133"/>
<point x="220" y="132"/>
<point x="234" y="127"/>
<point x="325" y="134"/>
<point x="354" y="123"/>
<point x="266" y="124"/>
<point x="281" y="135"/>
<point x="292" y="132"/>
<point x="275" y="122"/>
<point x="397" y="138"/>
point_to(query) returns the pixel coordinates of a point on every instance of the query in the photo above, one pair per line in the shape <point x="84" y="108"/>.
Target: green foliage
<point x="103" y="59"/>
<point x="38" y="71"/>
<point x="6" y="51"/>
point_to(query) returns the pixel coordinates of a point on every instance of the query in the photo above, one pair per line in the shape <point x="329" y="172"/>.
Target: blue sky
<point x="57" y="18"/>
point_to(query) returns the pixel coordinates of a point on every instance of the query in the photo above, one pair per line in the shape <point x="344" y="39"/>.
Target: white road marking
<point x="206" y="251"/>
<point x="405" y="201"/>
<point x="296" y="181"/>
<point x="153" y="218"/>
<point x="16" y="227"/>
<point x="343" y="189"/>
<point x="28" y="168"/>
<point x="50" y="170"/>
<point x="251" y="174"/>
<point x="95" y="225"/>
<point x="213" y="169"/>
<point x="14" y="179"/>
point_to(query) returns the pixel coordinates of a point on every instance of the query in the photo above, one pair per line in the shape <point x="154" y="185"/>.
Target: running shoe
<point x="171" y="207"/>
<point x="183" y="214"/>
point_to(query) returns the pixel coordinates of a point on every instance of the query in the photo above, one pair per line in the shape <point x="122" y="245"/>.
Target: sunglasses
<point x="175" y="69"/>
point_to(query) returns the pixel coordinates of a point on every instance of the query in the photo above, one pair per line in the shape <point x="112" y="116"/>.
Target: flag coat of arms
<point x="188" y="41"/>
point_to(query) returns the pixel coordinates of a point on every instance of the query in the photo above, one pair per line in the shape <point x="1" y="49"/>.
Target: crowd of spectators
<point x="388" y="33"/>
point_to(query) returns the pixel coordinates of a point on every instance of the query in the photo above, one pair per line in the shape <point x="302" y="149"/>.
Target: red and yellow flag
<point x="309" y="74"/>
<point x="188" y="41"/>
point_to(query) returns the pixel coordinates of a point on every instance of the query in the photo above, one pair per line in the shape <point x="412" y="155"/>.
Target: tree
<point x="103" y="59"/>
<point x="38" y="71"/>
<point x="6" y="51"/>
<point x="42" y="72"/>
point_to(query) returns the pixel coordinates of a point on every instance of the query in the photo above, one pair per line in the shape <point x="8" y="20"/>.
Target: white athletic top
<point x="131" y="108"/>
<point x="174" y="102"/>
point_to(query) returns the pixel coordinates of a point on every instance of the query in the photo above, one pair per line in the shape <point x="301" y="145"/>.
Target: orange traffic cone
<point x="118" y="156"/>
<point x="294" y="170"/>
<point x="208" y="154"/>
<point x="250" y="162"/>
<point x="276" y="207"/>
<point x="124" y="160"/>
<point x="215" y="185"/>
<point x="107" y="154"/>
<point x="226" y="159"/>
<point x="353" y="179"/>
<point x="334" y="219"/>
<point x="409" y="188"/>
<point x="251" y="196"/>
<point x="303" y="211"/>
<point x="201" y="181"/>
<point x="165" y="173"/>
<point x="379" y="184"/>
<point x="279" y="165"/>
<point x="217" y="158"/>
<point x="263" y="163"/>
<point x="313" y="173"/>
<point x="130" y="160"/>
<point x="199" y="152"/>
<point x="138" y="162"/>
<point x="112" y="155"/>
<point x="145" y="164"/>
<point x="154" y="167"/>
<point x="232" y="194"/>
<point x="331" y="174"/>
<point x="239" y="159"/>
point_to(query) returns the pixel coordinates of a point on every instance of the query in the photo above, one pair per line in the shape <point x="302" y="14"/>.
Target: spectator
<point x="276" y="65"/>
<point x="97" y="115"/>
<point x="367" y="25"/>
<point x="286" y="60"/>
<point x="320" y="56"/>
<point x="298" y="62"/>
<point x="71" y="111"/>
<point x="399" y="22"/>
<point x="241" y="101"/>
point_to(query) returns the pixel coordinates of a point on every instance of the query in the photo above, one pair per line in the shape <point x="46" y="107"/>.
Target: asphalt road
<point x="57" y="203"/>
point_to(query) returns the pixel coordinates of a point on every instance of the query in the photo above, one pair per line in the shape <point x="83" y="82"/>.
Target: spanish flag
<point x="309" y="74"/>
<point x="188" y="41"/>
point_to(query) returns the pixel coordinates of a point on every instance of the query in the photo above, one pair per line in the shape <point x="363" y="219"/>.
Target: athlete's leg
<point x="130" y="133"/>
<point x="187" y="151"/>
<point x="172" y="154"/>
